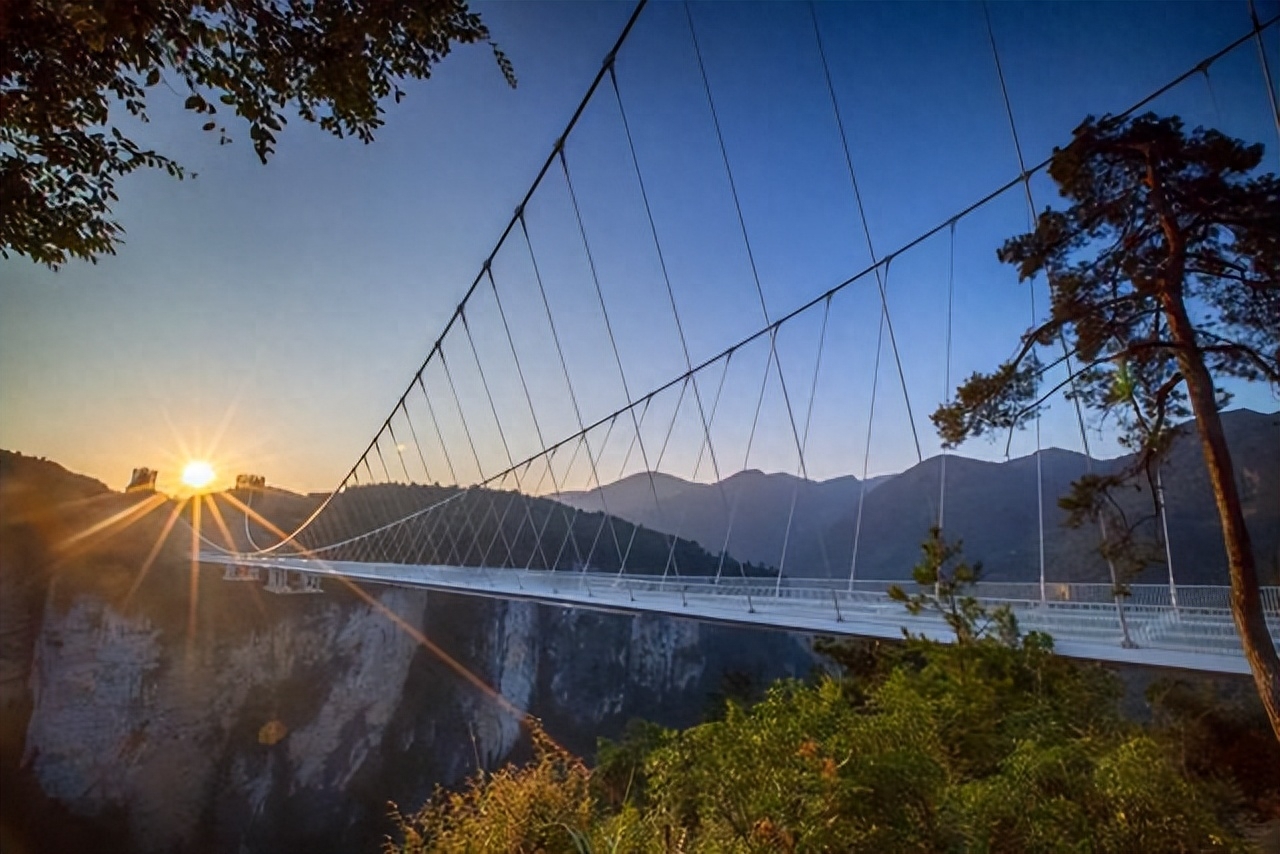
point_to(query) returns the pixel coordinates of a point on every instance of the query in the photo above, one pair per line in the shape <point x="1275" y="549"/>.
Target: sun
<point x="197" y="474"/>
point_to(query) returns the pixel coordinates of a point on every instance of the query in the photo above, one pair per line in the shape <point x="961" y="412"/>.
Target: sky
<point x="269" y="317"/>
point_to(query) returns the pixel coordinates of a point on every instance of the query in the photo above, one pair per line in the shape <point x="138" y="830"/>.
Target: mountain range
<point x="991" y="506"/>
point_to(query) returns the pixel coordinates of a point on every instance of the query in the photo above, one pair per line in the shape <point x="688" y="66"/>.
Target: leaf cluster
<point x="1026" y="755"/>
<point x="1159" y="226"/>
<point x="66" y="64"/>
<point x="1212" y="727"/>
<point x="991" y="744"/>
<point x="1152" y="213"/>
<point x="545" y="806"/>
<point x="945" y="582"/>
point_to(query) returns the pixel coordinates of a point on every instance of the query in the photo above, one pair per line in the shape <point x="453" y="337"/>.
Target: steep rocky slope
<point x="243" y="721"/>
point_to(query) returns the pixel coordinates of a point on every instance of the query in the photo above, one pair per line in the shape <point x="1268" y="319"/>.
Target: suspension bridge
<point x="591" y="426"/>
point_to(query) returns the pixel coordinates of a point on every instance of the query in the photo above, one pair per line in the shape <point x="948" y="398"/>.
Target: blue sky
<point x="278" y="312"/>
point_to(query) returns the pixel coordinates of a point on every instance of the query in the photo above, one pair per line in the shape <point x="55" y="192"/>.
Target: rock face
<point x="173" y="711"/>
<point x="288" y="723"/>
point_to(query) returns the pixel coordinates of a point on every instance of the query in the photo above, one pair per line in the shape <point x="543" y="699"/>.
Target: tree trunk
<point x="1246" y="601"/>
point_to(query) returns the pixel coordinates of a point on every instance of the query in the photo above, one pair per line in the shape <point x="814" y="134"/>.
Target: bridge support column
<point x="235" y="572"/>
<point x="287" y="581"/>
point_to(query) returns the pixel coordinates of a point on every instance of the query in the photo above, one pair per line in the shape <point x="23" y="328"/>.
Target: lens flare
<point x="197" y="474"/>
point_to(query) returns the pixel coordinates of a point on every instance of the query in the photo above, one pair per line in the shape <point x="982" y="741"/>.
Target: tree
<point x="64" y="64"/>
<point x="1164" y="272"/>
<point x="545" y="806"/>
<point x="991" y="743"/>
<point x="945" y="584"/>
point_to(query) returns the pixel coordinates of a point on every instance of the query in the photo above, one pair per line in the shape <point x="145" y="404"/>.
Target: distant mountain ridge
<point x="702" y="511"/>
<point x="991" y="506"/>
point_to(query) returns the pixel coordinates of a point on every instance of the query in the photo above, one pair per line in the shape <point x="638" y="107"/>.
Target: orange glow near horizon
<point x="174" y="512"/>
<point x="196" y="461"/>
<point x="198" y="475"/>
<point x="194" y="585"/>
<point x="119" y="520"/>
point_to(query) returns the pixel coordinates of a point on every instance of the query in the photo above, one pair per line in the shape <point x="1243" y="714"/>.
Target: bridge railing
<point x="1194" y="596"/>
<point x="1134" y="596"/>
<point x="1200" y="623"/>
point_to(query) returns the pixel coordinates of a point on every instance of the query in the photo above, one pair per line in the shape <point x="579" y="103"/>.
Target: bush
<point x="991" y="744"/>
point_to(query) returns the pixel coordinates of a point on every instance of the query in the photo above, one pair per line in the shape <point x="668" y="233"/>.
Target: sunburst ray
<point x="155" y="550"/>
<point x="119" y="521"/>
<point x="418" y="637"/>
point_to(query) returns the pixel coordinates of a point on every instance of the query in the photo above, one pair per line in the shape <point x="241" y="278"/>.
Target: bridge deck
<point x="1197" y="634"/>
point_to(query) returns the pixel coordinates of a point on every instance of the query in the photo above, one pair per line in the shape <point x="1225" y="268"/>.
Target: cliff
<point x="217" y="717"/>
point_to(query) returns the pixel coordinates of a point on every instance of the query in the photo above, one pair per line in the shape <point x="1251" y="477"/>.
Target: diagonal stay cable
<point x="946" y="372"/>
<point x="462" y="416"/>
<point x="742" y="222"/>
<point x="662" y="261"/>
<point x="528" y="517"/>
<point x="866" y="453"/>
<point x="746" y="460"/>
<point x="408" y="478"/>
<point x="564" y="368"/>
<point x="493" y="408"/>
<point x="1031" y="212"/>
<point x="1266" y="66"/>
<point x="1031" y="290"/>
<point x="571" y="524"/>
<point x="571" y="519"/>
<point x="386" y="473"/>
<point x="502" y="239"/>
<point x="724" y="155"/>
<point x="388" y="526"/>
<point x="502" y="522"/>
<point x="804" y="471"/>
<point x="604" y="515"/>
<point x="524" y="385"/>
<point x="1254" y="32"/>
<point x="697" y="465"/>
<point x="883" y="263"/>
<point x="435" y="424"/>
<point x="671" y="563"/>
<point x="608" y="324"/>
<point x="635" y="438"/>
<point x="866" y="228"/>
<point x="426" y="471"/>
<point x="466" y="429"/>
<point x="666" y="278"/>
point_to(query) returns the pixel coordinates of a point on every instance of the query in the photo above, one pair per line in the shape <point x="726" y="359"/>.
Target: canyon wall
<point x="285" y="723"/>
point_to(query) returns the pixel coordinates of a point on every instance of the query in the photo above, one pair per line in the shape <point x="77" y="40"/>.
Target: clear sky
<point x="271" y="316"/>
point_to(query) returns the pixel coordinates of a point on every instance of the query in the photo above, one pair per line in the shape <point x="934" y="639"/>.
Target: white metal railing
<point x="1084" y="619"/>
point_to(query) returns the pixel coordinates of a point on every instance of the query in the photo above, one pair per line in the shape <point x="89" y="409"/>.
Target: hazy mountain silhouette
<point x="20" y="473"/>
<point x="753" y="501"/>
<point x="991" y="506"/>
<point x="472" y="528"/>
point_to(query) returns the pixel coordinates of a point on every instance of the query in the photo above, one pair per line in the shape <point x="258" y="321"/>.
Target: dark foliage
<point x="1164" y="278"/>
<point x="988" y="744"/>
<point x="65" y="65"/>
<point x="1104" y="257"/>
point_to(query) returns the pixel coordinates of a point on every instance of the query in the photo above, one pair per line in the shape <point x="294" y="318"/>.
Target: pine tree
<point x="1164" y="273"/>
